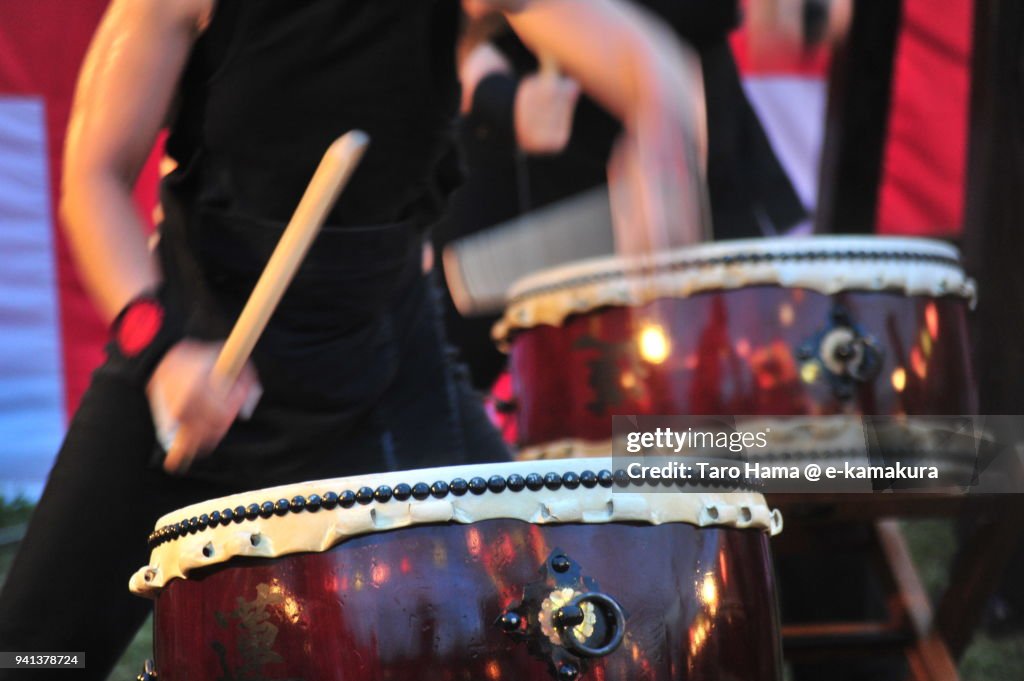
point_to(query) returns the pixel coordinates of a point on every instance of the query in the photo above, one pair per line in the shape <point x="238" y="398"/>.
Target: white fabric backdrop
<point x="31" y="376"/>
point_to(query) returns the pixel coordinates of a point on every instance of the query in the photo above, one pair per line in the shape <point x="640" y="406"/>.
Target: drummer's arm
<point x="633" y="65"/>
<point x="124" y="91"/>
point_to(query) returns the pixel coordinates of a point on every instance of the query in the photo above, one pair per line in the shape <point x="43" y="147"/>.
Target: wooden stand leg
<point x="979" y="566"/>
<point x="927" y="655"/>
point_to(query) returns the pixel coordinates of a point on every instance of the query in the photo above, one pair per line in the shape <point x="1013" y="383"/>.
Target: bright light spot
<point x="743" y="347"/>
<point x="380" y="574"/>
<point x="809" y="372"/>
<point x="931" y="319"/>
<point x="654" y="345"/>
<point x="292" y="609"/>
<point x="628" y="380"/>
<point x="699" y="632"/>
<point x="786" y="314"/>
<point x="917" y="362"/>
<point x="709" y="593"/>
<point x="926" y="344"/>
<point x="899" y="379"/>
<point x="473" y="541"/>
<point x="493" y="670"/>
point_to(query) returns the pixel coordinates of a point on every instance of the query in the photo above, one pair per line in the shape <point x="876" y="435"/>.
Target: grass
<point x="14" y="511"/>
<point x="17" y="511"/>
<point x="932" y="543"/>
<point x="141" y="648"/>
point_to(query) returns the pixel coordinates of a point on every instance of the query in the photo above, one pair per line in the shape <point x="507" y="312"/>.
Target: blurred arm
<point x="633" y="65"/>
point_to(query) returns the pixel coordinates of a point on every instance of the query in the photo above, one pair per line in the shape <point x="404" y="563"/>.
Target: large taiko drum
<point x="503" y="571"/>
<point x="796" y="327"/>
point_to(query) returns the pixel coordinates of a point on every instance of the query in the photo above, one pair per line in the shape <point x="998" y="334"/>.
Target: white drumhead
<point x="827" y="264"/>
<point x="198" y="536"/>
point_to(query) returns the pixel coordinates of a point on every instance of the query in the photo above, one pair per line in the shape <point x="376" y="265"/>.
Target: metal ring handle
<point x="617" y="627"/>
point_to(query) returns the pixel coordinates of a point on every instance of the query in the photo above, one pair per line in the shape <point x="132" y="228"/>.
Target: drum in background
<point x="795" y="327"/>
<point x="503" y="571"/>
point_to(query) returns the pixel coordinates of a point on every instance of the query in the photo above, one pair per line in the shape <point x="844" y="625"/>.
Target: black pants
<point x="68" y="587"/>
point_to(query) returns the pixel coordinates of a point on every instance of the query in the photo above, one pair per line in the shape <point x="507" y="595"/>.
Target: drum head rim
<point x="839" y="246"/>
<point x="183" y="543"/>
<point x="905" y="265"/>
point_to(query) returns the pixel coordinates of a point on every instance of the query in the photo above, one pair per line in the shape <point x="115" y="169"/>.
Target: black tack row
<point x="400" y="492"/>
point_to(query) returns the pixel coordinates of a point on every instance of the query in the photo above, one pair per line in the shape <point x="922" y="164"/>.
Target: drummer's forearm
<point x="107" y="240"/>
<point x="622" y="57"/>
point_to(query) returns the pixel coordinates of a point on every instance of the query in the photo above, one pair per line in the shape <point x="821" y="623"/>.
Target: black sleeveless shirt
<point x="271" y="83"/>
<point x="268" y="86"/>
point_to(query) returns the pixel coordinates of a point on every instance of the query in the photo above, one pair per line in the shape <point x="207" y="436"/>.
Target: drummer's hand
<point x="544" y="108"/>
<point x="191" y="409"/>
<point x="654" y="203"/>
<point x="656" y="174"/>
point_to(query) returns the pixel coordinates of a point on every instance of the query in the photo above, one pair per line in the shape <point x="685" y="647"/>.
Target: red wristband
<point x="141" y="335"/>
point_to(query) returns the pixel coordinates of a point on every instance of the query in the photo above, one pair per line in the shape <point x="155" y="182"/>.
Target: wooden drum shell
<point x="422" y="603"/>
<point x="736" y="352"/>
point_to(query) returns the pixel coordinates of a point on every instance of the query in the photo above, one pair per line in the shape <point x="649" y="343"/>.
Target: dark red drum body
<point x="794" y="327"/>
<point x="446" y="601"/>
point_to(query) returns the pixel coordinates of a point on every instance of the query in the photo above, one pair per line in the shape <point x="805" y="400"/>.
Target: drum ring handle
<point x="570" y="614"/>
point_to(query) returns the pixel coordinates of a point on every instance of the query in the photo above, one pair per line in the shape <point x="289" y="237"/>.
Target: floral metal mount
<point x="565" y="619"/>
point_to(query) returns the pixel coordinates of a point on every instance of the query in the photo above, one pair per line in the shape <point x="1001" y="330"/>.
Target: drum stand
<point x="931" y="642"/>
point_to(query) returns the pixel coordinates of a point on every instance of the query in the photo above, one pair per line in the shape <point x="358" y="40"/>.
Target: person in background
<point x="529" y="139"/>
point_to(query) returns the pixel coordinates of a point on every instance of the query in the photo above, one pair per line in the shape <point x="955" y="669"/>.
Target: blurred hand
<point x="656" y="173"/>
<point x="191" y="409"/>
<point x="482" y="61"/>
<point x="544" y="108"/>
<point x="656" y="199"/>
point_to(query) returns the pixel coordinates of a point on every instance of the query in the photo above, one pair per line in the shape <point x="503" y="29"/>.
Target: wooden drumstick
<point x="336" y="167"/>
